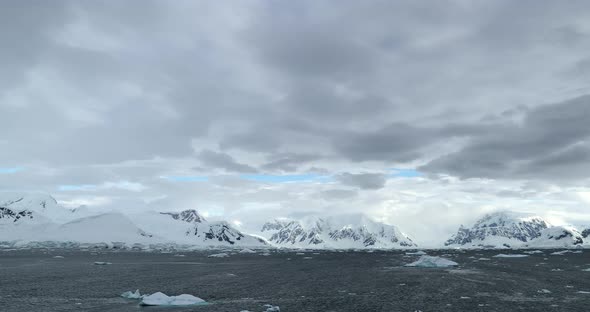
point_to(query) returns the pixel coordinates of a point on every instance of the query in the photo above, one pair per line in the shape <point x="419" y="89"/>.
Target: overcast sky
<point x="422" y="114"/>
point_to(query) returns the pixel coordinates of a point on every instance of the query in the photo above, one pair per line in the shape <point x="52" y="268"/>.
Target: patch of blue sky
<point x="10" y="170"/>
<point x="186" y="178"/>
<point x="404" y="173"/>
<point x="269" y="178"/>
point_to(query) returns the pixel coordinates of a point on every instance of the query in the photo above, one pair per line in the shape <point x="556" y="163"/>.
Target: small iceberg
<point x="271" y="308"/>
<point x="132" y="295"/>
<point x="432" y="262"/>
<point x="101" y="263"/>
<point x="161" y="299"/>
<point x="510" y="256"/>
<point x="58" y="257"/>
<point x="559" y="253"/>
<point x="417" y="253"/>
<point x="544" y="291"/>
<point x="246" y="250"/>
<point x="219" y="255"/>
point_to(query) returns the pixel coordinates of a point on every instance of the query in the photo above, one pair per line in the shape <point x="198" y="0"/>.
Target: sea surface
<point x="35" y="280"/>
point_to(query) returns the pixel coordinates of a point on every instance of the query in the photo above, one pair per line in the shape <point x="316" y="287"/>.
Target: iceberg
<point x="417" y="253"/>
<point x="101" y="263"/>
<point x="161" y="299"/>
<point x="432" y="262"/>
<point x="246" y="250"/>
<point x="218" y="255"/>
<point x="510" y="256"/>
<point x="271" y="308"/>
<point x="559" y="253"/>
<point x="132" y="295"/>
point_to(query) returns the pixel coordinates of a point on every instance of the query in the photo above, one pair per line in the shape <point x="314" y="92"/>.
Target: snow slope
<point x="27" y="218"/>
<point x="558" y="237"/>
<point x="342" y="232"/>
<point x="502" y="229"/>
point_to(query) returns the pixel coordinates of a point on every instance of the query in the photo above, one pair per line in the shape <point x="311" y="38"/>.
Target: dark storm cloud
<point x="213" y="159"/>
<point x="365" y="181"/>
<point x="552" y="142"/>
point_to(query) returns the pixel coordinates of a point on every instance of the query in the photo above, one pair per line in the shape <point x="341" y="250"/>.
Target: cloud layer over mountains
<point x="444" y="109"/>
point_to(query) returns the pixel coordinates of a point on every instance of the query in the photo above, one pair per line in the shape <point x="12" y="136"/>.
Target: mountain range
<point x="37" y="219"/>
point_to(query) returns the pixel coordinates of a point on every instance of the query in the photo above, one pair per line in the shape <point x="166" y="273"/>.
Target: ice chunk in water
<point x="132" y="295"/>
<point x="161" y="299"/>
<point x="510" y="256"/>
<point x="271" y="308"/>
<point x="432" y="262"/>
<point x="101" y="263"/>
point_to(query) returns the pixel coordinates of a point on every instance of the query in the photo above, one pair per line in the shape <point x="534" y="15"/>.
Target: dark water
<point x="331" y="281"/>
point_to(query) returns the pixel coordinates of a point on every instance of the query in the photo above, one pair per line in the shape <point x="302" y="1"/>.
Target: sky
<point x="424" y="115"/>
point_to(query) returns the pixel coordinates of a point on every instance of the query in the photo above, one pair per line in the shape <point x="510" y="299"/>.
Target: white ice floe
<point x="132" y="295"/>
<point x="432" y="262"/>
<point x="271" y="308"/>
<point x="559" y="253"/>
<point x="58" y="257"/>
<point x="101" y="263"/>
<point x="544" y="291"/>
<point x="510" y="256"/>
<point x="246" y="250"/>
<point x="161" y="299"/>
<point x="219" y="255"/>
<point x="532" y="252"/>
<point x="417" y="253"/>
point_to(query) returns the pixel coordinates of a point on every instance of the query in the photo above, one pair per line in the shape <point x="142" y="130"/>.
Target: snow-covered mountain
<point x="26" y="218"/>
<point x="558" y="237"/>
<point x="346" y="231"/>
<point x="32" y="208"/>
<point x="499" y="229"/>
<point x="189" y="227"/>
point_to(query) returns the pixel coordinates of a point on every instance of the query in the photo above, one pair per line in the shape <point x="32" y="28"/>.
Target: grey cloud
<point x="214" y="159"/>
<point x="94" y="91"/>
<point x="551" y="143"/>
<point x="365" y="181"/>
<point x="338" y="194"/>
<point x="288" y="162"/>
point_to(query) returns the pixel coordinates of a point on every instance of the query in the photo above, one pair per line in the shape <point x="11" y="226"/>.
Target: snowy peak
<point x="499" y="229"/>
<point x="557" y="237"/>
<point x="9" y="215"/>
<point x="23" y="207"/>
<point x="356" y="231"/>
<point x="190" y="216"/>
<point x="20" y="201"/>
